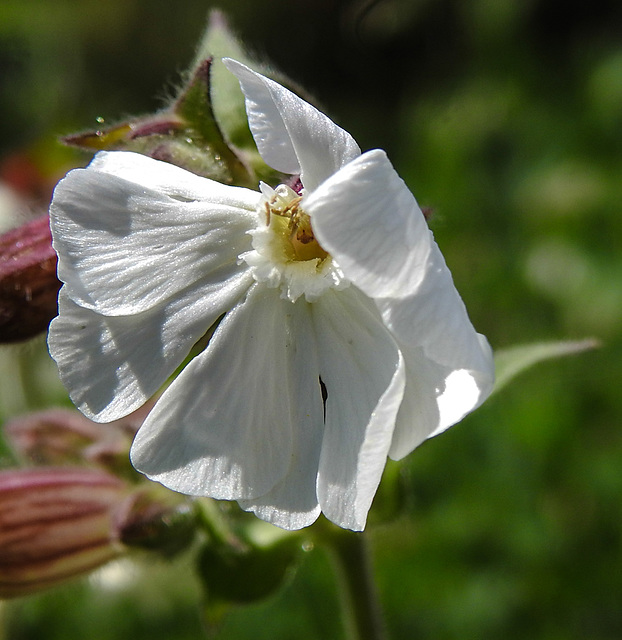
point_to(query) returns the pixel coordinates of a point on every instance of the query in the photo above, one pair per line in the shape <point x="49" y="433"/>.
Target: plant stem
<point x="360" y="604"/>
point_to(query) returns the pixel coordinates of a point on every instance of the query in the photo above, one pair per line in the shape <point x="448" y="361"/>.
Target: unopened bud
<point x="55" y="524"/>
<point x="64" y="436"/>
<point x="28" y="283"/>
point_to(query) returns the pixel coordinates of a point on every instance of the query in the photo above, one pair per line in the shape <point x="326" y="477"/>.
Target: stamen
<point x="285" y="251"/>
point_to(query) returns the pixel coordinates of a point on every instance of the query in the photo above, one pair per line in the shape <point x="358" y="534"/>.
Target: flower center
<point x="285" y="252"/>
<point x="287" y="220"/>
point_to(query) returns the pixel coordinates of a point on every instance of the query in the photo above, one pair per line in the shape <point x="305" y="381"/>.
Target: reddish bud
<point x="28" y="283"/>
<point x="64" y="436"/>
<point x="55" y="524"/>
<point x="23" y="172"/>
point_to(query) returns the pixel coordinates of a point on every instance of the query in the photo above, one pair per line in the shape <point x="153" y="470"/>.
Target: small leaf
<point x="512" y="361"/>
<point x="205" y="128"/>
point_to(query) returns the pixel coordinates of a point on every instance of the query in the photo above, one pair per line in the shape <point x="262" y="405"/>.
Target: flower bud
<point x="55" y="523"/>
<point x="243" y="574"/>
<point x="185" y="134"/>
<point x="62" y="437"/>
<point x="28" y="283"/>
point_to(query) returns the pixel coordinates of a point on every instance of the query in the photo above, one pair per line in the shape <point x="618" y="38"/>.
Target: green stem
<point x="360" y="604"/>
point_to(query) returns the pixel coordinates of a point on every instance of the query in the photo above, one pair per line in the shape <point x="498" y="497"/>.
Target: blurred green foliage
<point x="504" y="116"/>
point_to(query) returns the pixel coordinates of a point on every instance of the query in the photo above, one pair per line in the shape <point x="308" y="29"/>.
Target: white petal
<point x="125" y="247"/>
<point x="419" y="413"/>
<point x="435" y="318"/>
<point x="111" y="365"/>
<point x="230" y="423"/>
<point x="364" y="376"/>
<point x="292" y="136"/>
<point x="293" y="503"/>
<point x="369" y="221"/>
<point x="450" y="366"/>
<point x="436" y="397"/>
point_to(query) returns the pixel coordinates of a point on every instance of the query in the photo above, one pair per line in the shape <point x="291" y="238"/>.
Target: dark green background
<point x="505" y="116"/>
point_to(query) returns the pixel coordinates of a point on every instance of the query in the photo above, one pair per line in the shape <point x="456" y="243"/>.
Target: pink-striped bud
<point x="56" y="523"/>
<point x="65" y="437"/>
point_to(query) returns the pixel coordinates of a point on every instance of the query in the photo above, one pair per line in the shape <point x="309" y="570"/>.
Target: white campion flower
<point x="343" y="340"/>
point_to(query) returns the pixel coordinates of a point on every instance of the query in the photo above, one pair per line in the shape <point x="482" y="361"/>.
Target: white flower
<point x="342" y="338"/>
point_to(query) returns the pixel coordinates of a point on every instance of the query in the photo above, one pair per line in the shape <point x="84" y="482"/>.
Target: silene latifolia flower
<point x="342" y="339"/>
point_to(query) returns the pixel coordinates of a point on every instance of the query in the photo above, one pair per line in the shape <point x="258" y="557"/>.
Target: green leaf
<point x="512" y="361"/>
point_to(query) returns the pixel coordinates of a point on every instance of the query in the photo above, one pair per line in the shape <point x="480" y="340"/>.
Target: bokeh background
<point x="505" y="117"/>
